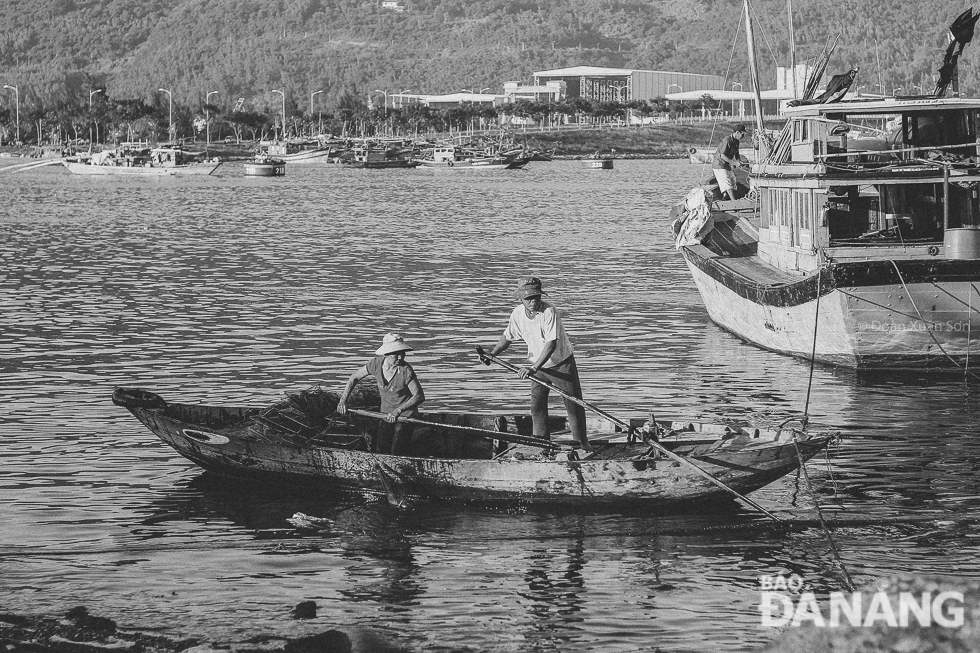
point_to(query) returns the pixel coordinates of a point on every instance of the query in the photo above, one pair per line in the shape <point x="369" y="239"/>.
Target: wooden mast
<point x="754" y="70"/>
<point x="792" y="49"/>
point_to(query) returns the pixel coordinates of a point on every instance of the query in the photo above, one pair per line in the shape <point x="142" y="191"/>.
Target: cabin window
<point x="899" y="213"/>
<point x="803" y="209"/>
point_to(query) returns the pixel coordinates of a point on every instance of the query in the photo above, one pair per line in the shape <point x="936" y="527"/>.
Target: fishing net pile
<point x="311" y="411"/>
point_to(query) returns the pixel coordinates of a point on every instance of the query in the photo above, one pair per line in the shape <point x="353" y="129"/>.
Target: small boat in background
<point x="487" y="458"/>
<point x="297" y="150"/>
<point x="376" y="158"/>
<point x="600" y="161"/>
<point x="449" y="156"/>
<point x="138" y="158"/>
<point x="264" y="165"/>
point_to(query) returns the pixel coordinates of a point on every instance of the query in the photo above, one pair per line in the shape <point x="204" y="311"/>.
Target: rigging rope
<point x="848" y="583"/>
<point x="728" y="72"/>
<point x="929" y="325"/>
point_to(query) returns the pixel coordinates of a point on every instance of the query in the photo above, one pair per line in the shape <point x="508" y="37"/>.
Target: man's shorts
<point x="726" y="181"/>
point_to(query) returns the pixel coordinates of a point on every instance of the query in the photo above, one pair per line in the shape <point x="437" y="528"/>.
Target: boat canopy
<point x="884" y="106"/>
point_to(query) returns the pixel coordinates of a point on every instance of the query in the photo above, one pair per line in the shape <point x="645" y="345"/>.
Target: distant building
<point x="394" y="5"/>
<point x="552" y="91"/>
<point x="620" y="84"/>
<point x="400" y="100"/>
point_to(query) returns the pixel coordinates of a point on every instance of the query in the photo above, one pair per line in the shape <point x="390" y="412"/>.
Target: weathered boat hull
<point x="307" y="156"/>
<point x="219" y="439"/>
<point x="381" y="165"/>
<point x="909" y="314"/>
<point x="476" y="164"/>
<point x="77" y="168"/>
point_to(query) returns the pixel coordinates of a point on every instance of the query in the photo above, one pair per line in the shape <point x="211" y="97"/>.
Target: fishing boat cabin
<point x="895" y="178"/>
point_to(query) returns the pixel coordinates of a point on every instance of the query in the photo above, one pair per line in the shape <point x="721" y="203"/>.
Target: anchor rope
<point x="848" y="583"/>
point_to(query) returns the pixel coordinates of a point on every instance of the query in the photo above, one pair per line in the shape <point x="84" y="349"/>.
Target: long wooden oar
<point x="484" y="357"/>
<point x="484" y="433"/>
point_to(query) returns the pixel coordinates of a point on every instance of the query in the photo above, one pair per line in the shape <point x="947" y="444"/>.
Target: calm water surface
<point x="228" y="289"/>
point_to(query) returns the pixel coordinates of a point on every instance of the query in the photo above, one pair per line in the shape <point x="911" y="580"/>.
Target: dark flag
<point x="960" y="34"/>
<point x="837" y="87"/>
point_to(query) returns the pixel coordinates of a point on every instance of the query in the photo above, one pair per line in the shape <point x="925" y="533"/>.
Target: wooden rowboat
<point x="480" y="457"/>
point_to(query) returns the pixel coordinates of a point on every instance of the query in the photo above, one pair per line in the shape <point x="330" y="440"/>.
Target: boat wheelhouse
<point x="859" y="244"/>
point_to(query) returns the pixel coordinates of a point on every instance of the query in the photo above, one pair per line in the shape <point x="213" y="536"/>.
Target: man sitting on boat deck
<point x="550" y="353"/>
<point x="400" y="390"/>
<point x="725" y="159"/>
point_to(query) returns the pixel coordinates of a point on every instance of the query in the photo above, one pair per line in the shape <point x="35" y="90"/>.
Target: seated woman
<point x="401" y="394"/>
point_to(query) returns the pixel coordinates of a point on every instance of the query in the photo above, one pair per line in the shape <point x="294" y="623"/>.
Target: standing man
<point x="550" y="358"/>
<point x="727" y="158"/>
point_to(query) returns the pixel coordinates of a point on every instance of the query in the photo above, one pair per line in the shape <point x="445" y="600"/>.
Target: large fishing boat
<point x="859" y="243"/>
<point x="480" y="457"/>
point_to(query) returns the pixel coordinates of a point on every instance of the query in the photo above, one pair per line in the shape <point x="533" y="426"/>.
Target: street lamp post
<point x="207" y="116"/>
<point x="313" y="95"/>
<point x="283" y="94"/>
<point x="670" y="86"/>
<point x="17" y="101"/>
<point x="401" y="100"/>
<point x="90" y="94"/>
<point x="170" y="100"/>
<point x="739" y="85"/>
<point x="895" y="89"/>
<point x="385" y="93"/>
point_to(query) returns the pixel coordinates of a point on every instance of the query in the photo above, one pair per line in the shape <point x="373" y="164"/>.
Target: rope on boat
<point x="849" y="584"/>
<point x="929" y="325"/>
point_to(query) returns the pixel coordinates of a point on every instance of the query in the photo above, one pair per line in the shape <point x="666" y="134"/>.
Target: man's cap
<point x="740" y="127"/>
<point x="529" y="287"/>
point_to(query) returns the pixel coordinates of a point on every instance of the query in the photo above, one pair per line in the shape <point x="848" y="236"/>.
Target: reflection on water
<point x="228" y="289"/>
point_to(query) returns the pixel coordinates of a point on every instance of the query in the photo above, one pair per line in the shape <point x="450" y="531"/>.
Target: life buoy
<point x="693" y="150"/>
<point x="933" y="250"/>
<point x="136" y="398"/>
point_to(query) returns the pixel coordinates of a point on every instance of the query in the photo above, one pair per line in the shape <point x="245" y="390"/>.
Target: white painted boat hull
<point x="915" y="325"/>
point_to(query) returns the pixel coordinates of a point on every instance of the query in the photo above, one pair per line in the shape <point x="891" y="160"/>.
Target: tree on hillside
<point x="239" y="121"/>
<point x="129" y="113"/>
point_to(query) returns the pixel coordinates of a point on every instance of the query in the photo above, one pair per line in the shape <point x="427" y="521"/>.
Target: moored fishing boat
<point x="599" y="161"/>
<point x="378" y="158"/>
<point x="297" y="150"/>
<point x="138" y="158"/>
<point x="264" y="165"/>
<point x="452" y="157"/>
<point x="859" y="244"/>
<point x="481" y="457"/>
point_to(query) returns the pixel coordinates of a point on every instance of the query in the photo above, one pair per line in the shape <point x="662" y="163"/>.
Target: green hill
<point x="53" y="50"/>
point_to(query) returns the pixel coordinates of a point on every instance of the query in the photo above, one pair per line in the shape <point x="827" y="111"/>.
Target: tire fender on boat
<point x="693" y="150"/>
<point x="449" y="163"/>
<point x="136" y="398"/>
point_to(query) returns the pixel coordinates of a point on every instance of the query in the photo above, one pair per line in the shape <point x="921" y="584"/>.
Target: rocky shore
<point x="80" y="632"/>
<point x="879" y="621"/>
